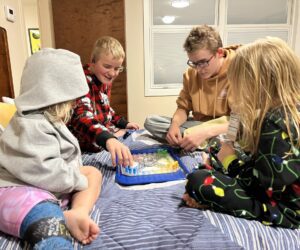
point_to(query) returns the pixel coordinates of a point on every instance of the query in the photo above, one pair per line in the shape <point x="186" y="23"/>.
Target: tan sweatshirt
<point x="207" y="98"/>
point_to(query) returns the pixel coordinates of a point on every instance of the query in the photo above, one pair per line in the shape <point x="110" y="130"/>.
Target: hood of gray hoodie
<point x="50" y="76"/>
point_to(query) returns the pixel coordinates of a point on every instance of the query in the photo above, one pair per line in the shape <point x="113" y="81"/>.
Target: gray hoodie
<point x="34" y="151"/>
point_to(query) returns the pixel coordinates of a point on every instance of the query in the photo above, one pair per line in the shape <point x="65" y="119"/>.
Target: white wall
<point x="140" y="106"/>
<point x="16" y="40"/>
<point x="46" y="23"/>
<point x="30" y="18"/>
<point x="17" y="33"/>
<point x="296" y="43"/>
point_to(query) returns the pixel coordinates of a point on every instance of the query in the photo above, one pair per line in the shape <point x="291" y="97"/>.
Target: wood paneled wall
<point x="79" y="23"/>
<point x="6" y="83"/>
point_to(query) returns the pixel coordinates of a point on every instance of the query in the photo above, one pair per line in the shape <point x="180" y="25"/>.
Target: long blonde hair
<point x="265" y="75"/>
<point x="60" y="112"/>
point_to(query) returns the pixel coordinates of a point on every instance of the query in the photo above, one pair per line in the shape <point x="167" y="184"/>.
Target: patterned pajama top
<point x="94" y="120"/>
<point x="267" y="188"/>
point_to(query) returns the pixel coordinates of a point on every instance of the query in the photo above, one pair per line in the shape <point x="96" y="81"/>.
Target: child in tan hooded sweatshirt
<point x="205" y="93"/>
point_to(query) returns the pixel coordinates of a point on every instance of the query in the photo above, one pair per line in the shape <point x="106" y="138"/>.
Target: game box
<point x="152" y="165"/>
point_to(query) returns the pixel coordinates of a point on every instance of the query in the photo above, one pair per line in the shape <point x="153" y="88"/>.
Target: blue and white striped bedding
<point x="151" y="217"/>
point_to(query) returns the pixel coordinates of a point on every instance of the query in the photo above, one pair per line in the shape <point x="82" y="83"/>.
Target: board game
<point x="152" y="165"/>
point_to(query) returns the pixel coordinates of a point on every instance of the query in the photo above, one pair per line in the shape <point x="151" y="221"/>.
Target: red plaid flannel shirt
<point x="94" y="121"/>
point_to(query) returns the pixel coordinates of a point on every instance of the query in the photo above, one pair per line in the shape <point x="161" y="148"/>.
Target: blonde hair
<point x="265" y="75"/>
<point x="107" y="45"/>
<point x="203" y="37"/>
<point x="60" y="112"/>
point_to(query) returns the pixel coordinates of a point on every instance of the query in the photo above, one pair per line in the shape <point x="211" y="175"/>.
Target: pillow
<point x="1" y="129"/>
<point x="6" y="99"/>
<point x="6" y="113"/>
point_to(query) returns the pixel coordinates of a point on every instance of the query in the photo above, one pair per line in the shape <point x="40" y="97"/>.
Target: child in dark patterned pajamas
<point x="266" y="80"/>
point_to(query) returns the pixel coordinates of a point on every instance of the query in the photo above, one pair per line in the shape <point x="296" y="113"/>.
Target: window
<point x="238" y="21"/>
<point x="249" y="20"/>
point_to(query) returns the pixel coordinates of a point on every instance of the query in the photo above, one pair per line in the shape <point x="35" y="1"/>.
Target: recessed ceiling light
<point x="168" y="19"/>
<point x="180" y="3"/>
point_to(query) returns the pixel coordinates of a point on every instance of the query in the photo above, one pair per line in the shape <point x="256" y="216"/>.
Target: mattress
<point x="152" y="216"/>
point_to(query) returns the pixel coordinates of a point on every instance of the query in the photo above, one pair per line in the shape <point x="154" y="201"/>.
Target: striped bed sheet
<point x="152" y="216"/>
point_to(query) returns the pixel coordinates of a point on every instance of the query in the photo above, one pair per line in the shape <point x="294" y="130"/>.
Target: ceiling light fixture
<point x="180" y="3"/>
<point x="168" y="19"/>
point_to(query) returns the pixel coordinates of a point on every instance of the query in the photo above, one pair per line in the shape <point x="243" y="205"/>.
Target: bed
<point x="153" y="217"/>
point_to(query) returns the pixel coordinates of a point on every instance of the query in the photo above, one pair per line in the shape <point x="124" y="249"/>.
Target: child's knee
<point x="198" y="176"/>
<point x="195" y="180"/>
<point x="97" y="173"/>
<point x="90" y="170"/>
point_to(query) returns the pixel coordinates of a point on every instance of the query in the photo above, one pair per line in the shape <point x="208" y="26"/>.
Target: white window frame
<point x="289" y="27"/>
<point x="173" y="89"/>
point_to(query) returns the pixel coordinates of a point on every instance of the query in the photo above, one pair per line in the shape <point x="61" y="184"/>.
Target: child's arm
<point x="87" y="125"/>
<point x="195" y="136"/>
<point x="86" y="199"/>
<point x="120" y="154"/>
<point x="40" y="162"/>
<point x="117" y="120"/>
<point x="174" y="136"/>
<point x="226" y="152"/>
<point x="132" y="125"/>
<point x="277" y="164"/>
<point x="231" y="164"/>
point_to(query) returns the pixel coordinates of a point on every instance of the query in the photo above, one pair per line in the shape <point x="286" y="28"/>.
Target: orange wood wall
<point x="79" y="23"/>
<point x="6" y="84"/>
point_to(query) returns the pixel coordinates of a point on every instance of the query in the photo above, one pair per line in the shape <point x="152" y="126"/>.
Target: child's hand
<point x="190" y="142"/>
<point x="205" y="158"/>
<point x="174" y="135"/>
<point x="226" y="149"/>
<point x="133" y="125"/>
<point x="120" y="151"/>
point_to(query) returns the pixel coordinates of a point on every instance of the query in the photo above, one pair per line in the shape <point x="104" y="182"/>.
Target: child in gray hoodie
<point x="40" y="160"/>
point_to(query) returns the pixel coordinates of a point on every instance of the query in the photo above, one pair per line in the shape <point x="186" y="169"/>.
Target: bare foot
<point x="189" y="201"/>
<point x="81" y="226"/>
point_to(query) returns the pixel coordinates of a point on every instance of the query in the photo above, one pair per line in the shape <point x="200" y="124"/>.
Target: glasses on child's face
<point x="199" y="64"/>
<point x="116" y="69"/>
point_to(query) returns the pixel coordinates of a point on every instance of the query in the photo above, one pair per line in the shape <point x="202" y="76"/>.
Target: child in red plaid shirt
<point x="94" y="121"/>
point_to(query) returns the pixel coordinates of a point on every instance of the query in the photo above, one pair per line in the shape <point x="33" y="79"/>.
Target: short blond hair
<point x="203" y="37"/>
<point x="107" y="45"/>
